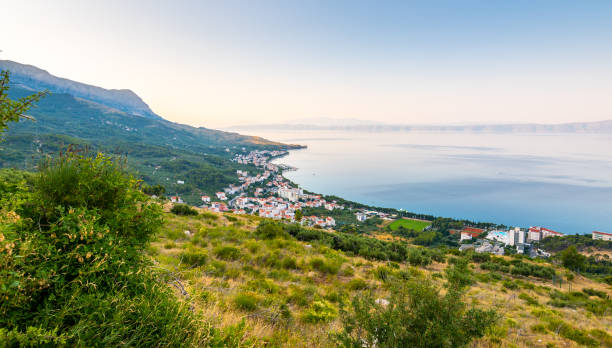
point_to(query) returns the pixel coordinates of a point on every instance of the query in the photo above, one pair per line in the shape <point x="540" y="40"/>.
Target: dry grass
<point x="212" y="294"/>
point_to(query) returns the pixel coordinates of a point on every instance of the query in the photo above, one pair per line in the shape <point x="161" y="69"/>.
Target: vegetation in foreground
<point x="86" y="259"/>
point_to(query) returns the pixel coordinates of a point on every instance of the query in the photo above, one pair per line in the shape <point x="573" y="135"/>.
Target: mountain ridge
<point x="34" y="78"/>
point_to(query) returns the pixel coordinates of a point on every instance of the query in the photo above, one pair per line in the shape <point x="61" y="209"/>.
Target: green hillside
<point x="161" y="152"/>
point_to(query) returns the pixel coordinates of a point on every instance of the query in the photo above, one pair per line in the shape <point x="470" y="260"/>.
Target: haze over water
<point x="561" y="181"/>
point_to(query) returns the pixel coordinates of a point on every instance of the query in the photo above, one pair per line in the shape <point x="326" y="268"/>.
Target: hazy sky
<point x="223" y="63"/>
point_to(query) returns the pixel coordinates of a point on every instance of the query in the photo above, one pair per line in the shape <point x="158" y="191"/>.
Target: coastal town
<point x="269" y="194"/>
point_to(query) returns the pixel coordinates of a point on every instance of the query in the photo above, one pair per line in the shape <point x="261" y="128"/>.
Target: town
<point x="269" y="194"/>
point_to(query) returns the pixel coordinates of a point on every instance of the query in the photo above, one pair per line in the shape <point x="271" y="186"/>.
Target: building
<point x="602" y="235"/>
<point x="515" y="237"/>
<point x="205" y="199"/>
<point x="537" y="233"/>
<point x="292" y="194"/>
<point x="180" y="182"/>
<point x="221" y="196"/>
<point x="361" y="217"/>
<point x="176" y="199"/>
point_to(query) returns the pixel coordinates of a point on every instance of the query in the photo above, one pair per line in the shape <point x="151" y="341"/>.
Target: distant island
<point x="361" y="126"/>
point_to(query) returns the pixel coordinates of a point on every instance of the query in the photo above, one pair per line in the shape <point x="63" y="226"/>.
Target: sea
<point x="559" y="181"/>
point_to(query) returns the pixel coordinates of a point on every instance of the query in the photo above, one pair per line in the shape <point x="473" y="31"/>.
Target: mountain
<point x="362" y="126"/>
<point x="159" y="151"/>
<point x="31" y="77"/>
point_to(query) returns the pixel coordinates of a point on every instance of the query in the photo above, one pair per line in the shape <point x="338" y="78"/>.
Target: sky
<point x="225" y="63"/>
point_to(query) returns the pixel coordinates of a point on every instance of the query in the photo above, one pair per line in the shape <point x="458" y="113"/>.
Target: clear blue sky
<point x="221" y="63"/>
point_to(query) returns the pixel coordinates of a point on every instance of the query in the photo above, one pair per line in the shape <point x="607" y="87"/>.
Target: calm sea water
<point x="561" y="181"/>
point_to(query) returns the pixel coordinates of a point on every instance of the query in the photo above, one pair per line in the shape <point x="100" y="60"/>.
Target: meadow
<point x="410" y="224"/>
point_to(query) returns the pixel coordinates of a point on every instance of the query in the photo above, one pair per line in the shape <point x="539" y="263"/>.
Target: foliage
<point x="11" y="110"/>
<point x="157" y="190"/>
<point x="572" y="259"/>
<point x="416" y="315"/>
<point x="183" y="209"/>
<point x="245" y="301"/>
<point x="320" y="311"/>
<point x="72" y="269"/>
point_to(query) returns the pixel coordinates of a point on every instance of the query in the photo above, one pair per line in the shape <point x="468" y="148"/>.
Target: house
<point x="176" y="199"/>
<point x="361" y="217"/>
<point x="465" y="235"/>
<point x="206" y="199"/>
<point x="221" y="196"/>
<point x="180" y="182"/>
<point x="602" y="235"/>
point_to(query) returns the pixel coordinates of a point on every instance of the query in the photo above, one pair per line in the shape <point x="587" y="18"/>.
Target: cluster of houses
<point x="260" y="158"/>
<point x="273" y="196"/>
<point x="495" y="241"/>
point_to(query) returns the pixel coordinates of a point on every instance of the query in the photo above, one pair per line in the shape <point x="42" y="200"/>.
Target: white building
<point x="221" y="196"/>
<point x="602" y="235"/>
<point x="176" y="199"/>
<point x="361" y="217"/>
<point x="292" y="194"/>
<point x="205" y="199"/>
<point x="516" y="236"/>
<point x="180" y="182"/>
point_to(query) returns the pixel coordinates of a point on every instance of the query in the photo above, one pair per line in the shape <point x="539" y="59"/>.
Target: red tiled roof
<point x="606" y="233"/>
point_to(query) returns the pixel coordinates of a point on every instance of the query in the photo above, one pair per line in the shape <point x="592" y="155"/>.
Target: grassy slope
<point x="417" y="225"/>
<point x="258" y="270"/>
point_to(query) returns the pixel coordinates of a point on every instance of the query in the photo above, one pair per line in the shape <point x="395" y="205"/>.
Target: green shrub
<point x="289" y="263"/>
<point x="76" y="272"/>
<point x="246" y="302"/>
<point x="357" y="284"/>
<point x="530" y="300"/>
<point x="194" y="257"/>
<point x="320" y="311"/>
<point x="269" y="230"/>
<point x="593" y="292"/>
<point x="227" y="252"/>
<point x="382" y="273"/>
<point x="539" y="328"/>
<point x="417" y="316"/>
<point x="264" y="286"/>
<point x="325" y="266"/>
<point x="208" y="216"/>
<point x="183" y="209"/>
<point x="216" y="268"/>
<point x="509" y="284"/>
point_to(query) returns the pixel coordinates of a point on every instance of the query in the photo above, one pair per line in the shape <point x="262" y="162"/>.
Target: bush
<point x="245" y="302"/>
<point x="226" y="252"/>
<point x="530" y="300"/>
<point x="183" y="209"/>
<point x="270" y="230"/>
<point x="320" y="311"/>
<point x="194" y="257"/>
<point x="325" y="266"/>
<point x="357" y="284"/>
<point x="76" y="272"/>
<point x="417" y="316"/>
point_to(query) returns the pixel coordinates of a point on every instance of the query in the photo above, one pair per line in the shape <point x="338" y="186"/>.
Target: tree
<point x="12" y="110"/>
<point x="298" y="215"/>
<point x="572" y="259"/>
